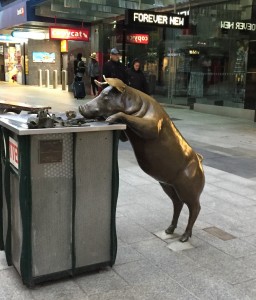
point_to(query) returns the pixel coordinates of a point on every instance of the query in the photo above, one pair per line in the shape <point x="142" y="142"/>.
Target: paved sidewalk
<point x="218" y="262"/>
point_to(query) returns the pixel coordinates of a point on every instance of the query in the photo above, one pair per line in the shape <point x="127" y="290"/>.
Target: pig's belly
<point x="162" y="164"/>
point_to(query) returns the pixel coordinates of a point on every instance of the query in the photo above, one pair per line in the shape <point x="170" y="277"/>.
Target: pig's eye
<point x="105" y="97"/>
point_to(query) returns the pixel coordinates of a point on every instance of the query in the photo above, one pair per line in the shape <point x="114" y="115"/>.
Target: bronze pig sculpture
<point x="160" y="149"/>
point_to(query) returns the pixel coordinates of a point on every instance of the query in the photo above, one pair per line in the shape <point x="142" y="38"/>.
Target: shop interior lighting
<point x="6" y="38"/>
<point x="33" y="35"/>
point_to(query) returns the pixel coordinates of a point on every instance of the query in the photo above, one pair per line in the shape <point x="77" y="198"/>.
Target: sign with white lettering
<point x="20" y="11"/>
<point x="238" y="25"/>
<point x="14" y="153"/>
<point x="61" y="33"/>
<point x="137" y="38"/>
<point x="156" y="19"/>
<point x="134" y="38"/>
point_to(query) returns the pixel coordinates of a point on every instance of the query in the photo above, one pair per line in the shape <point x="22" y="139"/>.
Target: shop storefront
<point x="13" y="64"/>
<point x="210" y="61"/>
<point x="40" y="55"/>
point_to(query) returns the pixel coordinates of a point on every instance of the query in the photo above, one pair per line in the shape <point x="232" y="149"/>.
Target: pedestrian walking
<point x="114" y="68"/>
<point x="136" y="77"/>
<point x="94" y="72"/>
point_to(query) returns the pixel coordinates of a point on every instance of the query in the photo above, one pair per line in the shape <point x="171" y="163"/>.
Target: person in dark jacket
<point x="94" y="72"/>
<point x="114" y="68"/>
<point x="136" y="77"/>
<point x="79" y="68"/>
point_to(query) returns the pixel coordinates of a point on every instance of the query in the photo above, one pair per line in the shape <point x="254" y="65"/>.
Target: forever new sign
<point x="156" y="19"/>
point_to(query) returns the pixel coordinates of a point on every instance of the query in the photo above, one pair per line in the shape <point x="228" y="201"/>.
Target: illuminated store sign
<point x="156" y="19"/>
<point x="134" y="38"/>
<point x="237" y="25"/>
<point x="64" y="46"/>
<point x="137" y="38"/>
<point x="61" y="33"/>
<point x="193" y="52"/>
<point x="20" y="11"/>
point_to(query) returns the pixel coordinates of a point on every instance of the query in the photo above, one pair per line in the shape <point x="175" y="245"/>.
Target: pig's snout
<point x="87" y="111"/>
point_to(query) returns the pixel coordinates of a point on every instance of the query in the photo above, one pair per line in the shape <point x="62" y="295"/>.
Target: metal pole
<point x="123" y="45"/>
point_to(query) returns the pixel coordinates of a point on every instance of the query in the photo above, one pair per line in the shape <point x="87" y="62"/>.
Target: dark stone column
<point x="250" y="95"/>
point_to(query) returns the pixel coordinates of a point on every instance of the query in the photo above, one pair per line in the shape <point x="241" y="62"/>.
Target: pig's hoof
<point x="111" y="120"/>
<point x="170" y="229"/>
<point x="185" y="237"/>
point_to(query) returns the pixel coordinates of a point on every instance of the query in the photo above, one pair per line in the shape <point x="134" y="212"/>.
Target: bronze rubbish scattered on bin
<point x="160" y="149"/>
<point x="44" y="119"/>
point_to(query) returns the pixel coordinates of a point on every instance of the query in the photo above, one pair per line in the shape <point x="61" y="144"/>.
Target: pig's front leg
<point x="143" y="127"/>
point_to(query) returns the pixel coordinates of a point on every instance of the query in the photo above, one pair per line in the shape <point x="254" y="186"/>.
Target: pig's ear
<point x="116" y="83"/>
<point x="100" y="84"/>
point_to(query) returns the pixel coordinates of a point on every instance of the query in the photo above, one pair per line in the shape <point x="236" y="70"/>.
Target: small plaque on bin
<point x="50" y="151"/>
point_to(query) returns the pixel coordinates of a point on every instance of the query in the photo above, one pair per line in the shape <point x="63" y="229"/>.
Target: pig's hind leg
<point x="189" y="192"/>
<point x="177" y="206"/>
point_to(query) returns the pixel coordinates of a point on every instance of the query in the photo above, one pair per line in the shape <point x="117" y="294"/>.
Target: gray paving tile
<point x="251" y="239"/>
<point x="231" y="225"/>
<point x="248" y="288"/>
<point x="147" y="292"/>
<point x="233" y="198"/>
<point x="236" y="179"/>
<point x="11" y="286"/>
<point x="249" y="263"/>
<point x="163" y="291"/>
<point x="125" y="294"/>
<point x="139" y="214"/>
<point x="153" y="190"/>
<point x="235" y="247"/>
<point x="231" y="206"/>
<point x="213" y="172"/>
<point x="239" y="189"/>
<point x="211" y="178"/>
<point x="210" y="188"/>
<point x="137" y="171"/>
<point x="100" y="282"/>
<point x="133" y="179"/>
<point x="226" y="267"/>
<point x="129" y="194"/>
<point x="64" y="290"/>
<point x="129" y="232"/>
<point x="127" y="254"/>
<point x="176" y="264"/>
<point x="206" y="285"/>
<point x="141" y="272"/>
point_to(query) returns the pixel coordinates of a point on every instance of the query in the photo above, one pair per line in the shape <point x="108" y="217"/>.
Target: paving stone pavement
<point x="150" y="264"/>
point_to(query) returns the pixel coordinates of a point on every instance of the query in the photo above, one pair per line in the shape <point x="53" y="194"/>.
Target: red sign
<point x="137" y="38"/>
<point x="134" y="38"/>
<point x="61" y="33"/>
<point x="20" y="11"/>
<point x="14" y="152"/>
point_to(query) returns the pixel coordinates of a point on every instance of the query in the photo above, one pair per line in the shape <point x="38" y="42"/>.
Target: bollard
<point x="40" y="83"/>
<point x="47" y="78"/>
<point x="55" y="79"/>
<point x="64" y="79"/>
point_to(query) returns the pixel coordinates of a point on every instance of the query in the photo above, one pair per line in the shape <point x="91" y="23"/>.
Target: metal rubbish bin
<point x="59" y="192"/>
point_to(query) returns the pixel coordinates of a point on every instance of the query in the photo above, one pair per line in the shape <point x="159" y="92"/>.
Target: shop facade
<point x="31" y="48"/>
<point x="211" y="61"/>
<point x="208" y="60"/>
